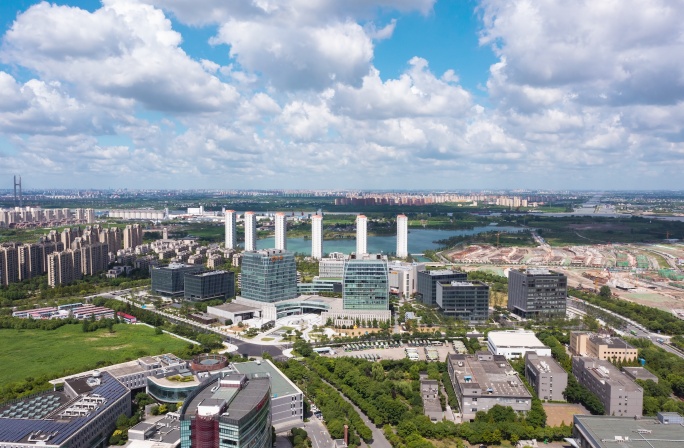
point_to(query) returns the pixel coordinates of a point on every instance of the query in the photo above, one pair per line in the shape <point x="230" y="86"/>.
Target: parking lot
<point x="387" y="350"/>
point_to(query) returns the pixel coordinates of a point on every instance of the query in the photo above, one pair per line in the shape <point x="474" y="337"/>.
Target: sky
<point x="332" y="94"/>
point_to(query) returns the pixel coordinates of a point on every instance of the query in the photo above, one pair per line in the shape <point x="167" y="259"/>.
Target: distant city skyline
<point x="360" y="94"/>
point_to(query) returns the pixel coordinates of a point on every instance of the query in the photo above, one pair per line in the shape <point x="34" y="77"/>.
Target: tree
<point x="605" y="292"/>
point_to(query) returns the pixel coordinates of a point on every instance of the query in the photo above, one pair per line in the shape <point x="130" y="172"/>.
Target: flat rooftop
<point x="640" y="373"/>
<point x="610" y="342"/>
<point x="606" y="372"/>
<point x="437" y="273"/>
<point x="233" y="307"/>
<point x="206" y="273"/>
<point x="280" y="384"/>
<point x="544" y="363"/>
<point x="516" y="338"/>
<point x="646" y="432"/>
<point x="491" y="373"/>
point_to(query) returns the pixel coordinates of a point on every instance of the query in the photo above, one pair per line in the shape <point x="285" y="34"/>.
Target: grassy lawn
<point x="31" y="353"/>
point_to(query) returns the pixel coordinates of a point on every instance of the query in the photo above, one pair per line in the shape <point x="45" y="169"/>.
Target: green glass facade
<point x="269" y="275"/>
<point x="366" y="284"/>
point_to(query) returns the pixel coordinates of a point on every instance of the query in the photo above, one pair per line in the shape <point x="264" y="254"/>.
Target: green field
<point x="67" y="350"/>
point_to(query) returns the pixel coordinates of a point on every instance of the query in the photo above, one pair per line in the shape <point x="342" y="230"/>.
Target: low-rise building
<point x="640" y="373"/>
<point x="483" y="380"/>
<point x="546" y="376"/>
<point x="599" y="431"/>
<point x="429" y="391"/>
<point x="84" y="414"/>
<point x="618" y="393"/>
<point x="514" y="344"/>
<point x="601" y="347"/>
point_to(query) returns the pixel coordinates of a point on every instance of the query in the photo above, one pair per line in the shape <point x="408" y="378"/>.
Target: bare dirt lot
<point x="557" y="413"/>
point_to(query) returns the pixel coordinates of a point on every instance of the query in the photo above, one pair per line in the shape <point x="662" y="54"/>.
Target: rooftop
<point x="280" y="384"/>
<point x="492" y="374"/>
<point x="56" y="415"/>
<point x="514" y="338"/>
<point x="606" y="372"/>
<point x="544" y="363"/>
<point x="640" y="373"/>
<point x="647" y="432"/>
<point x="611" y="342"/>
<point x="206" y="274"/>
<point x="233" y="307"/>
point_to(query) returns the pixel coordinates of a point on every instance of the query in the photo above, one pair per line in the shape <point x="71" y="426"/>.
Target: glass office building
<point x="209" y="285"/>
<point x="269" y="275"/>
<point x="170" y="280"/>
<point x="366" y="283"/>
<point x="231" y="412"/>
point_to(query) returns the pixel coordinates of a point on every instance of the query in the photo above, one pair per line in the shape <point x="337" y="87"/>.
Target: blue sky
<point x="358" y="94"/>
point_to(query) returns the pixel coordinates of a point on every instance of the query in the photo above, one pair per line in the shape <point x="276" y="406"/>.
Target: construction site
<point x="646" y="274"/>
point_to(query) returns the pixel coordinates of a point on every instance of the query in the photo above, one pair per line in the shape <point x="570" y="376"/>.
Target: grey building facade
<point x="537" y="293"/>
<point x="209" y="285"/>
<point x="467" y="301"/>
<point x="268" y="275"/>
<point x="427" y="283"/>
<point x="546" y="376"/>
<point x="618" y="393"/>
<point x="170" y="280"/>
<point x="483" y="380"/>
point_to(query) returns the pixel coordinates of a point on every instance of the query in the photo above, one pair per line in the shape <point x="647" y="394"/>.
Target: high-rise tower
<point x="402" y="236"/>
<point x="317" y="237"/>
<point x="361" y="234"/>
<point x="280" y="231"/>
<point x="230" y="229"/>
<point x="250" y="231"/>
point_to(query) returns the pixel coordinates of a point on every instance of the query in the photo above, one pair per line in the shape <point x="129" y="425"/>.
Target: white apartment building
<point x="402" y="236"/>
<point x="361" y="235"/>
<point x="250" y="231"/>
<point x="231" y="238"/>
<point x="317" y="237"/>
<point x="280" y="231"/>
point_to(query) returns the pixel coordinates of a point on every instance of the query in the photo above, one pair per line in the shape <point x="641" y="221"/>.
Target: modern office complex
<point x="403" y="277"/>
<point x="332" y="266"/>
<point x="209" y="285"/>
<point x="515" y="343"/>
<point x="366" y="283"/>
<point x="546" y="376"/>
<point x="537" y="293"/>
<point x="601" y="347"/>
<point x="402" y="236"/>
<point x="83" y="415"/>
<point x="280" y="231"/>
<point x="484" y="380"/>
<point x="361" y="235"/>
<point x="427" y="283"/>
<point x="170" y="280"/>
<point x="269" y="275"/>
<point x="618" y="393"/>
<point x="317" y="237"/>
<point x="602" y="431"/>
<point x="250" y="231"/>
<point x="467" y="301"/>
<point x="231" y="235"/>
<point x="232" y="410"/>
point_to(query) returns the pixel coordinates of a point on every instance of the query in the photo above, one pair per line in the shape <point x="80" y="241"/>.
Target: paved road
<point x="318" y="433"/>
<point x="379" y="439"/>
<point x="244" y="347"/>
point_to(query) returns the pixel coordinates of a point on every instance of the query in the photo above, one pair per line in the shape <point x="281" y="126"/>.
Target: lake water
<point x="419" y="240"/>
